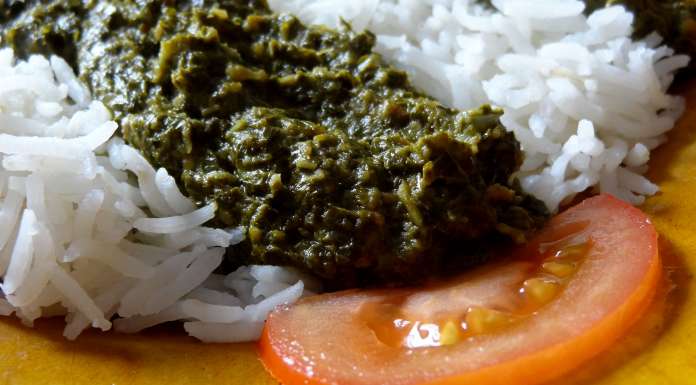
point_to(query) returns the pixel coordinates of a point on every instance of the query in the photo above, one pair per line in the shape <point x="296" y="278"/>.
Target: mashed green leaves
<point x="326" y="155"/>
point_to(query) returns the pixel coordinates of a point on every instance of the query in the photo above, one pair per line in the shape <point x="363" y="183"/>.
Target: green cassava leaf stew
<point x="328" y="157"/>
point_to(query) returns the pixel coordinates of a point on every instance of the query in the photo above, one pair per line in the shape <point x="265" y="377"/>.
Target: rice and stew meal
<point x="211" y="161"/>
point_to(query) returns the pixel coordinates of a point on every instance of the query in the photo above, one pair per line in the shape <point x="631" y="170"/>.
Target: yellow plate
<point x="166" y="356"/>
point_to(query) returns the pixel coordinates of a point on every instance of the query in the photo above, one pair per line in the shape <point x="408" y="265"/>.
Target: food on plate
<point x="674" y="20"/>
<point x="90" y="230"/>
<point x="586" y="100"/>
<point x="328" y="158"/>
<point x="554" y="303"/>
<point x="158" y="148"/>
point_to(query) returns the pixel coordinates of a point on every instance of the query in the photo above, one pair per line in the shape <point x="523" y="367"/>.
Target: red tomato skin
<point x="283" y="359"/>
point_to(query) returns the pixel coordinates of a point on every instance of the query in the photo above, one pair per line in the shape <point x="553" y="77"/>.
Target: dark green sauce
<point x="328" y="157"/>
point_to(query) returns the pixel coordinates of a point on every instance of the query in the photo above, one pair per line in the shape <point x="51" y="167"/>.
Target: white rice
<point x="587" y="103"/>
<point x="76" y="238"/>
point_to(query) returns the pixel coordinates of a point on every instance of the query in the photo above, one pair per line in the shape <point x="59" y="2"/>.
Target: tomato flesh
<point x="595" y="268"/>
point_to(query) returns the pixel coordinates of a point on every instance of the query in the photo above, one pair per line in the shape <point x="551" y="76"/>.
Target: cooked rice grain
<point x="76" y="237"/>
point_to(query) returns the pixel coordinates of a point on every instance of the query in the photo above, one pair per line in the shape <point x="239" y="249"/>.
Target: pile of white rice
<point x="90" y="230"/>
<point x="587" y="103"/>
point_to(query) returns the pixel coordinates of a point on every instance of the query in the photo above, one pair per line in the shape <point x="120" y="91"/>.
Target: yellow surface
<point x="666" y="354"/>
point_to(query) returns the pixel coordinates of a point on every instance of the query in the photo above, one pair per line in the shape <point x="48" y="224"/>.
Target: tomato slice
<point x="553" y="304"/>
